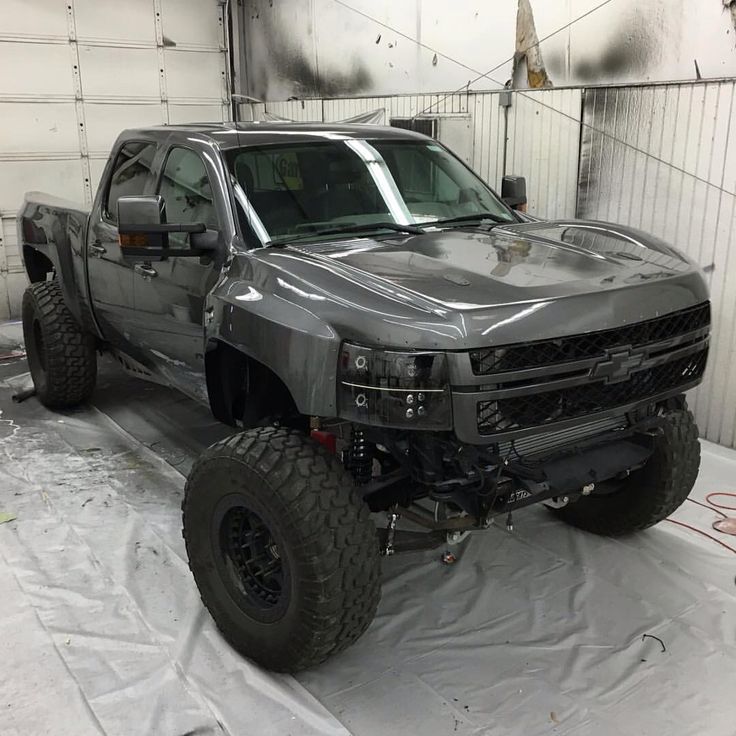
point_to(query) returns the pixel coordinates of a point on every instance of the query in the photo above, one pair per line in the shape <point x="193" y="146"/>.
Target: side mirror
<point x="513" y="192"/>
<point x="135" y="214"/>
<point x="143" y="230"/>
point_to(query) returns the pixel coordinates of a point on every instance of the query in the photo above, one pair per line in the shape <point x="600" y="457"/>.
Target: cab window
<point x="131" y="174"/>
<point x="187" y="192"/>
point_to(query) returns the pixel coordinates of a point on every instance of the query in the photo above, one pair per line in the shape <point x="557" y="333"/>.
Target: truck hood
<point x="460" y="269"/>
<point x="476" y="287"/>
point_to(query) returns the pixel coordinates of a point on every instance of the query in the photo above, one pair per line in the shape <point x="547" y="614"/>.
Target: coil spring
<point x="359" y="457"/>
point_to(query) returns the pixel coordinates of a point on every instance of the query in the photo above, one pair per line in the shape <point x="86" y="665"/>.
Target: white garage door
<point x="73" y="73"/>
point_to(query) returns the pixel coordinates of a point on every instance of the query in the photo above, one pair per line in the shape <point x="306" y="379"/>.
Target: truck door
<point x="110" y="275"/>
<point x="170" y="294"/>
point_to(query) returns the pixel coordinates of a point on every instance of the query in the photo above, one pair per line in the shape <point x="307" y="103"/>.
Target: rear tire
<point x="282" y="548"/>
<point x="61" y="355"/>
<point x="649" y="494"/>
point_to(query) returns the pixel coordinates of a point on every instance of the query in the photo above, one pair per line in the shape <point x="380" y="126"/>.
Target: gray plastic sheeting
<point x="538" y="631"/>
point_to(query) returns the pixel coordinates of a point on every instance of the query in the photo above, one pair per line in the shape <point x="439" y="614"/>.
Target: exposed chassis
<point x="503" y="485"/>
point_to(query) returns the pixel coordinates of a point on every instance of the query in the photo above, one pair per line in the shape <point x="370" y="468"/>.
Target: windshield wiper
<point x="367" y="227"/>
<point x="470" y="218"/>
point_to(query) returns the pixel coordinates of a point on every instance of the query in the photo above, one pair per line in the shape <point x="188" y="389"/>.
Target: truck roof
<point x="236" y="135"/>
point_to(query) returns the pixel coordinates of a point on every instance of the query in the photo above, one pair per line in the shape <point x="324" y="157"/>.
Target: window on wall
<point x="425" y="126"/>
<point x="187" y="192"/>
<point x="131" y="174"/>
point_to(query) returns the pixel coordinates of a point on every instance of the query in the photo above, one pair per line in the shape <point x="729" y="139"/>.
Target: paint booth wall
<point x="322" y="48"/>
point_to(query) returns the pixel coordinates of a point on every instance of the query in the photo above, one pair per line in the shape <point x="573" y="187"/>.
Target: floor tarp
<point x="544" y="630"/>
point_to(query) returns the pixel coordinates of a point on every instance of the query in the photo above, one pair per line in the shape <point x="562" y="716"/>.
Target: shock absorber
<point x="359" y="457"/>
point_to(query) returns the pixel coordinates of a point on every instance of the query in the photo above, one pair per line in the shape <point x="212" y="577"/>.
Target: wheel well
<point x="242" y="389"/>
<point x="38" y="266"/>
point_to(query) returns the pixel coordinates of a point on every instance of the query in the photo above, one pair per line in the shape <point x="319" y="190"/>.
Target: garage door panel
<point x="13" y="285"/>
<point x="105" y="122"/>
<point x="195" y="113"/>
<point x="132" y="20"/>
<point x="48" y="18"/>
<point x="119" y="72"/>
<point x="96" y="167"/>
<point x="35" y="127"/>
<point x="46" y="70"/>
<point x="184" y="22"/>
<point x="10" y="254"/>
<point x="194" y="74"/>
<point x="63" y="103"/>
<point x="61" y="178"/>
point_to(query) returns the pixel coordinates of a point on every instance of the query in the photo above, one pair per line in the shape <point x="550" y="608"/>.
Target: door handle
<point x="146" y="271"/>
<point x="96" y="249"/>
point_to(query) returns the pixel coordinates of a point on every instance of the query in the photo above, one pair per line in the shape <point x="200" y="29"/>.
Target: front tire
<point x="649" y="494"/>
<point x="282" y="548"/>
<point x="61" y="355"/>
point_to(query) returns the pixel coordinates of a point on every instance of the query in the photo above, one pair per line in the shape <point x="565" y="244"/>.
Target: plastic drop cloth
<point x="538" y="631"/>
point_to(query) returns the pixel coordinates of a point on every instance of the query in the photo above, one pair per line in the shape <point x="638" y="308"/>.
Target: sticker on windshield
<point x="433" y="147"/>
<point x="287" y="165"/>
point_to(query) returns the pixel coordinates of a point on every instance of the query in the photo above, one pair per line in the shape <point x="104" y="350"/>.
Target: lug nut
<point x="409" y="413"/>
<point x="410" y="399"/>
<point x="420" y="411"/>
<point x="420" y="397"/>
<point x="588" y="489"/>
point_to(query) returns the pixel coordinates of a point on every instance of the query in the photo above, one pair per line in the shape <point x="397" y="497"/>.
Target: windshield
<point x="298" y="190"/>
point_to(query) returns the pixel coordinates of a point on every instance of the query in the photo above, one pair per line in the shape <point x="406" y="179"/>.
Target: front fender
<point x="298" y="346"/>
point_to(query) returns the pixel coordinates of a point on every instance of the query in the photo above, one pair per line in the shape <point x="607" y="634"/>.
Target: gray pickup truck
<point x="385" y="334"/>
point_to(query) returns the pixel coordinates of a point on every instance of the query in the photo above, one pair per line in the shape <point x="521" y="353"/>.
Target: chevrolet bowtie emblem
<point x="619" y="364"/>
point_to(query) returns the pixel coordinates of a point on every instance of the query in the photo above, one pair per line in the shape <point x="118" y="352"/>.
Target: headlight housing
<point x="391" y="388"/>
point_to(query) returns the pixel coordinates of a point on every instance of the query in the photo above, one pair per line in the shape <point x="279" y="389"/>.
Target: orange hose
<point x="705" y="506"/>
<point x="700" y="531"/>
<point x="719" y="505"/>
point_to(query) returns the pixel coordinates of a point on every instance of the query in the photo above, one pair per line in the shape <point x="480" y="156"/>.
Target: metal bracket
<point x="388" y="547"/>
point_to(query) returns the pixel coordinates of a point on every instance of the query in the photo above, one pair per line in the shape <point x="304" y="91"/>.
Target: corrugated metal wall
<point x="332" y="110"/>
<point x="543" y="145"/>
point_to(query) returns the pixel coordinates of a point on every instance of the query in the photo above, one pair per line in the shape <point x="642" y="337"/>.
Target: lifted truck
<point x="385" y="334"/>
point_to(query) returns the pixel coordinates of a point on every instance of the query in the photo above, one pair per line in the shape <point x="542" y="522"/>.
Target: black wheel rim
<point x="251" y="560"/>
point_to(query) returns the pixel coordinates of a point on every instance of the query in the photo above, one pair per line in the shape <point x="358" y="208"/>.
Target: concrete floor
<point x="534" y="632"/>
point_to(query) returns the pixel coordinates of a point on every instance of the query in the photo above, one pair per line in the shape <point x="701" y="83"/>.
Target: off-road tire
<point x="61" y="355"/>
<point x="649" y="494"/>
<point x="323" y="532"/>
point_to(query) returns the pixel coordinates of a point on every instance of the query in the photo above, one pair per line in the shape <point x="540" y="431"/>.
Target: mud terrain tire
<point x="282" y="547"/>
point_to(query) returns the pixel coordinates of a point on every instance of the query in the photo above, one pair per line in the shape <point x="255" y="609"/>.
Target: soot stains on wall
<point x="283" y="59"/>
<point x="594" y="109"/>
<point x="628" y="54"/>
<point x="309" y="81"/>
<point x="731" y="6"/>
